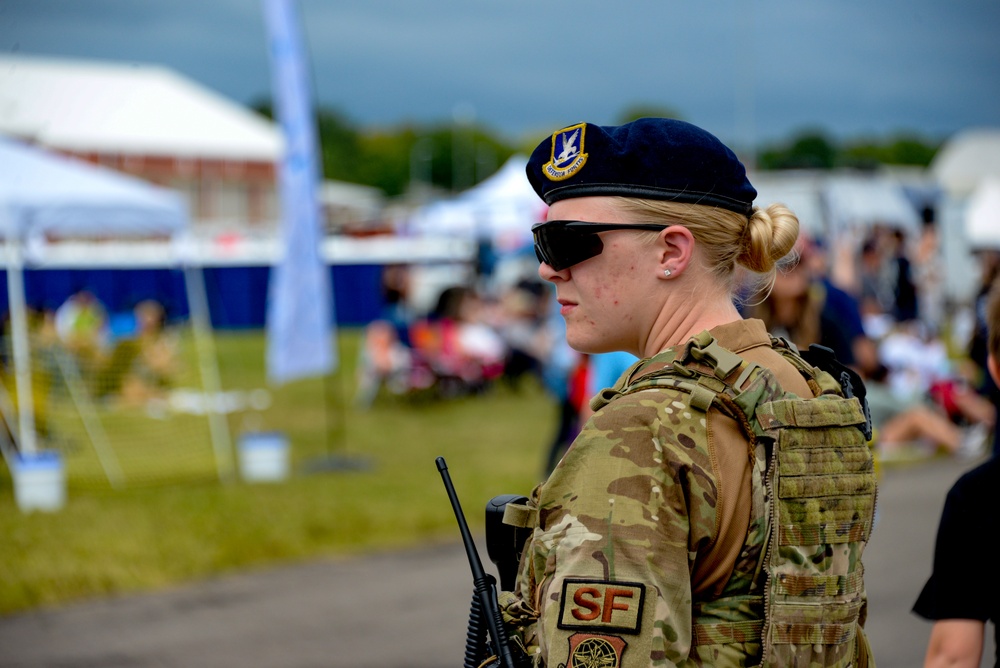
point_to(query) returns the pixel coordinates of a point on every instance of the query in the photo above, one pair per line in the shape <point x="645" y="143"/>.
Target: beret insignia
<point x="567" y="153"/>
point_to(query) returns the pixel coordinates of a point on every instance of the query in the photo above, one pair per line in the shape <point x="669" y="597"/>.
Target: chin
<point x="590" y="346"/>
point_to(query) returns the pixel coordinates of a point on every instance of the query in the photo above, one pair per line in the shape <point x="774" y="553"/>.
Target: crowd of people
<point x="130" y="357"/>
<point x="80" y="349"/>
<point x="880" y="310"/>
<point x="884" y="315"/>
<point x="468" y="341"/>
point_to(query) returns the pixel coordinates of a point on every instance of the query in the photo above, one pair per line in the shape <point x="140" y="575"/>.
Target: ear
<point x="676" y="248"/>
<point x="993" y="364"/>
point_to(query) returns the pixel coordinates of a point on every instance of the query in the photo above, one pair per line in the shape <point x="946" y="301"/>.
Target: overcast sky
<point x="750" y="71"/>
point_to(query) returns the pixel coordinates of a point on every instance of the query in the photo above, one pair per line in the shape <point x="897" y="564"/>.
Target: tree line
<point x="450" y="156"/>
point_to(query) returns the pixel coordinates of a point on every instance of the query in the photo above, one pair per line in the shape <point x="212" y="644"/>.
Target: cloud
<point x="747" y="71"/>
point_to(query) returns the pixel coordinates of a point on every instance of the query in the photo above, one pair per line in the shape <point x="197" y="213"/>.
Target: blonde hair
<point x="727" y="238"/>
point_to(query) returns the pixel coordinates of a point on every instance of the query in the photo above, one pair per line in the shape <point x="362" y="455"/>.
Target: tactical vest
<point x="797" y="592"/>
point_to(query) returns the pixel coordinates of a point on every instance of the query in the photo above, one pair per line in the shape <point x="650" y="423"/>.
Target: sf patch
<point x="567" y="153"/>
<point x="601" y="605"/>
<point x="591" y="650"/>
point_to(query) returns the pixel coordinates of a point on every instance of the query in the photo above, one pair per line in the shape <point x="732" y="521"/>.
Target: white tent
<point x="800" y="191"/>
<point x="46" y="194"/>
<point x="966" y="159"/>
<point x="982" y="217"/>
<point x="859" y="202"/>
<point x="962" y="167"/>
<point x="43" y="194"/>
<point x="502" y="208"/>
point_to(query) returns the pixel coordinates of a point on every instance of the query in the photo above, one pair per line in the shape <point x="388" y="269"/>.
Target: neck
<point x="676" y="324"/>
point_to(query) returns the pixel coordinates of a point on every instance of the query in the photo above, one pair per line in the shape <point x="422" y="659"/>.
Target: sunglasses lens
<point x="561" y="247"/>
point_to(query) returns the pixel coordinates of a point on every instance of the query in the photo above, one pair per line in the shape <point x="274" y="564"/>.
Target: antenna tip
<point x="440" y="464"/>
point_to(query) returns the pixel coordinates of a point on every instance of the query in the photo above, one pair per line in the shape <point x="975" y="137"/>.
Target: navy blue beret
<point x="650" y="158"/>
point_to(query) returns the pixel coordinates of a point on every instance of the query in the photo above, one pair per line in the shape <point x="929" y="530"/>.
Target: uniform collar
<point x="741" y="335"/>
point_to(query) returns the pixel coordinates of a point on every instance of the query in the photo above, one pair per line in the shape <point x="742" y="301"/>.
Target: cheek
<point x="612" y="294"/>
<point x="618" y="284"/>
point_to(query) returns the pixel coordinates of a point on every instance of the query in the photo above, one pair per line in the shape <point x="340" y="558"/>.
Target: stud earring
<point x="666" y="272"/>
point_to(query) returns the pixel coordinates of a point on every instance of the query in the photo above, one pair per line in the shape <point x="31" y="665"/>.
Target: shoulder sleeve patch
<point x="602" y="605"/>
<point x="592" y="649"/>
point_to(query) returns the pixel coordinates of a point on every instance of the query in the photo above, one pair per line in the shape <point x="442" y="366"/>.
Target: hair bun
<point x="769" y="236"/>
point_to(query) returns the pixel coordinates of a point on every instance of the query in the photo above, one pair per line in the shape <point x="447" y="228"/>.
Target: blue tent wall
<point x="237" y="296"/>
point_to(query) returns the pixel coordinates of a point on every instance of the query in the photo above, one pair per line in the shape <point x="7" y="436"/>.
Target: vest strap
<point x="722" y="633"/>
<point x="704" y="348"/>
<point x="519" y="515"/>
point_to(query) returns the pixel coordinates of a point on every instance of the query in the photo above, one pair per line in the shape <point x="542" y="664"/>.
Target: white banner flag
<point x="300" y="300"/>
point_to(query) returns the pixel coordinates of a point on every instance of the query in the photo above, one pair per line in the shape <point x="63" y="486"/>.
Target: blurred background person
<point x="155" y="366"/>
<point x="904" y="289"/>
<point x="909" y="424"/>
<point x="959" y="605"/>
<point x="83" y="327"/>
<point x="805" y="307"/>
<point x="929" y="272"/>
<point x="983" y="381"/>
<point x="144" y="365"/>
<point x="564" y="374"/>
<point x="458" y="342"/>
<point x="521" y="322"/>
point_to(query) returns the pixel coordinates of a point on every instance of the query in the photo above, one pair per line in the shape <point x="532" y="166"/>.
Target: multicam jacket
<point x="651" y="537"/>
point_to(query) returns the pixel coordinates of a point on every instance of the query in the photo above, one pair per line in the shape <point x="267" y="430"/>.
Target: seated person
<point x="144" y="366"/>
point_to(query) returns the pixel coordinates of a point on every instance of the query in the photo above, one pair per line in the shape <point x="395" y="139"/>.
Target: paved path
<point x="409" y="610"/>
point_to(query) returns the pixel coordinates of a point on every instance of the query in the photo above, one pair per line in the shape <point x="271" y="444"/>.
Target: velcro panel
<point x="823" y="510"/>
<point x="819" y="585"/>
<point x="813" y="634"/>
<point x="825" y="485"/>
<point x="819" y="412"/>
<point x="824" y="534"/>
<point x="829" y="412"/>
<point x="803" y="461"/>
<point x="723" y="633"/>
<point x="828" y="437"/>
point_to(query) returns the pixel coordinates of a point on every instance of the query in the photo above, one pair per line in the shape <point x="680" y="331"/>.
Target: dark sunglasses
<point x="563" y="243"/>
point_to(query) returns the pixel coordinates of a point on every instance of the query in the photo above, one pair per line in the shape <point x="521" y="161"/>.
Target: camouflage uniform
<point x="649" y="544"/>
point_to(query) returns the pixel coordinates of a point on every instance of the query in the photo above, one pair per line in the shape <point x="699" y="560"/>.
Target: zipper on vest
<point x="765" y="642"/>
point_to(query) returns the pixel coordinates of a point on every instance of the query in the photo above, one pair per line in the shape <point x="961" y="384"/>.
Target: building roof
<point x="130" y="109"/>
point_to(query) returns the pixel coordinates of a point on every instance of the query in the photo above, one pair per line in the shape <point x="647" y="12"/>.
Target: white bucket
<point x="263" y="457"/>
<point x="39" y="481"/>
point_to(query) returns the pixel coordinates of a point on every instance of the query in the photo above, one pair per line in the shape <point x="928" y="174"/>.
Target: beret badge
<point x="567" y="153"/>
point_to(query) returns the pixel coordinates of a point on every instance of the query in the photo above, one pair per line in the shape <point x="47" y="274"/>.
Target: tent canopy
<point x="46" y="194"/>
<point x="966" y="159"/>
<point x="799" y="191"/>
<point x="502" y="208"/>
<point x="982" y="218"/>
<point x="859" y="202"/>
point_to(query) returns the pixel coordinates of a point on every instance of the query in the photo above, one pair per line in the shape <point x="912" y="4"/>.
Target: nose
<point x="547" y="273"/>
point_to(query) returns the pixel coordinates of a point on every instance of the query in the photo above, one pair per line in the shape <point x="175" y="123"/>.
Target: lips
<point x="565" y="306"/>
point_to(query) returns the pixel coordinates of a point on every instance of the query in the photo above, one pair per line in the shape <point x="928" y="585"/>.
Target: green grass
<point x="145" y="538"/>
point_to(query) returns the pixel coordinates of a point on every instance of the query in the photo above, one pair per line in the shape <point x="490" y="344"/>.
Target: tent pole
<point x="21" y="348"/>
<point x="194" y="282"/>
